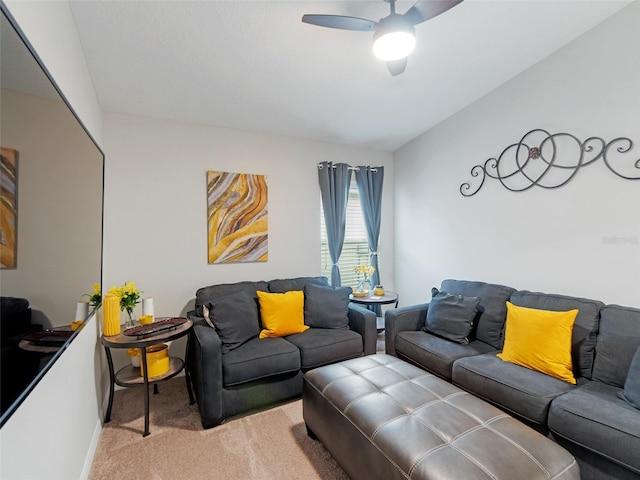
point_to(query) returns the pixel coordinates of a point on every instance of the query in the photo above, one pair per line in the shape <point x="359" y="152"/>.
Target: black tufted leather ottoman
<point x="382" y="418"/>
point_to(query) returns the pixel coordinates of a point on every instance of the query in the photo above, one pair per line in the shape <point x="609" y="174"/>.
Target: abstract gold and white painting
<point x="237" y="217"/>
<point x="8" y="210"/>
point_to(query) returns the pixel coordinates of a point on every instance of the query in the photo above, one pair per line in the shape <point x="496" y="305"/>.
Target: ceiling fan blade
<point x="341" y="22"/>
<point x="427" y="9"/>
<point x="396" y="67"/>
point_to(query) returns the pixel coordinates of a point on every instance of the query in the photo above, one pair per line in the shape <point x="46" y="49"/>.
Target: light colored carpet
<point x="268" y="445"/>
<point x="380" y="348"/>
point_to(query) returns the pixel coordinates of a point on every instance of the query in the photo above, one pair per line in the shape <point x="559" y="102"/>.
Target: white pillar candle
<point x="147" y="306"/>
<point x="82" y="310"/>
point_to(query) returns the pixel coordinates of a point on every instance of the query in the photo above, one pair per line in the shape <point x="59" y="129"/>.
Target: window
<point x="356" y="248"/>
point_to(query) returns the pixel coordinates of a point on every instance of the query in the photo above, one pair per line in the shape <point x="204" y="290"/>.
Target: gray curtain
<point x="334" y="188"/>
<point x="369" y="180"/>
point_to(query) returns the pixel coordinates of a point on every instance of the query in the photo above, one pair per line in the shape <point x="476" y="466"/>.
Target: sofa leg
<point x="310" y="433"/>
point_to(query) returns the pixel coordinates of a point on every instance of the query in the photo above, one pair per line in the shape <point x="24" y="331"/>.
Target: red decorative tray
<point x="160" y="325"/>
<point x="48" y="338"/>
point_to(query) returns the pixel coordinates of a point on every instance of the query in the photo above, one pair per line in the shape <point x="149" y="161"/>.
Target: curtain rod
<point x="373" y="169"/>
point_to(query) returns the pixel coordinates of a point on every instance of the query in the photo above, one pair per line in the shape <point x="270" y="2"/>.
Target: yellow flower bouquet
<point x="95" y="298"/>
<point x="366" y="271"/>
<point x="129" y="296"/>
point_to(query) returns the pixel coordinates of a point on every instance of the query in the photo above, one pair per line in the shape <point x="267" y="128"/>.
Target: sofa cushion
<point x="540" y="340"/>
<point x="282" y="285"/>
<point x="584" y="328"/>
<point x="205" y="294"/>
<point x="617" y="342"/>
<point x="435" y="354"/>
<point x="514" y="388"/>
<point x="451" y="316"/>
<point x="631" y="392"/>
<point x="281" y="313"/>
<point x="320" y="346"/>
<point x="595" y="418"/>
<point x="326" y="307"/>
<point x="258" y="359"/>
<point x="493" y="309"/>
<point x="235" y="318"/>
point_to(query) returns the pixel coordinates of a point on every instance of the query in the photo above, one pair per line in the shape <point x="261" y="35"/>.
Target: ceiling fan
<point x="394" y="35"/>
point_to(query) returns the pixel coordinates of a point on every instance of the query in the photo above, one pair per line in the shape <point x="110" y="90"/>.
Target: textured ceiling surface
<point x="253" y="65"/>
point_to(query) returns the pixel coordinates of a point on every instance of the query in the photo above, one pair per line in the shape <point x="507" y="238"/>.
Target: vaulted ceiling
<point x="253" y="65"/>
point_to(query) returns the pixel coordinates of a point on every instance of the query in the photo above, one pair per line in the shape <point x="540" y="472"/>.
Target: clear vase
<point x="131" y="322"/>
<point x="363" y="286"/>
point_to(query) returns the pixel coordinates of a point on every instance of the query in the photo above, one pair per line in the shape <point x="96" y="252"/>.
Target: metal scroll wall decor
<point x="542" y="159"/>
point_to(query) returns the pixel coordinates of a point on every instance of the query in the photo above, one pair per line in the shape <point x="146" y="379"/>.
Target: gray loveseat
<point x="590" y="419"/>
<point x="233" y="370"/>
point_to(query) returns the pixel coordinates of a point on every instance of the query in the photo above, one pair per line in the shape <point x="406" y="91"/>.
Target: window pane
<point x="356" y="248"/>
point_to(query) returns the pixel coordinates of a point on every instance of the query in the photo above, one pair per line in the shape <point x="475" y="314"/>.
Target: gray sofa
<point x="590" y="419"/>
<point x="233" y="370"/>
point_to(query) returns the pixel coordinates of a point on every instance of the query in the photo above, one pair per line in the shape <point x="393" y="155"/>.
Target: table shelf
<point x="129" y="376"/>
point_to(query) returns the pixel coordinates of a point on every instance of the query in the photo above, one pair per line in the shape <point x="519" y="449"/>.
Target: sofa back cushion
<point x="282" y="285"/>
<point x="583" y="338"/>
<point x="492" y="307"/>
<point x="326" y="307"/>
<point x="617" y="342"/>
<point x="631" y="392"/>
<point x="236" y="319"/>
<point x="206" y="294"/>
<point x="15" y="316"/>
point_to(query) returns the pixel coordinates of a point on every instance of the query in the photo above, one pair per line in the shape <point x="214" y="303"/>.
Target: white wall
<point x="51" y="29"/>
<point x="582" y="239"/>
<point x="156" y="205"/>
<point x="61" y="425"/>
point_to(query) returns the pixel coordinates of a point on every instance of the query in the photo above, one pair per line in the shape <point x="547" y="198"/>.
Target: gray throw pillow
<point x="326" y="307"/>
<point x="631" y="392"/>
<point x="236" y="319"/>
<point x="451" y="316"/>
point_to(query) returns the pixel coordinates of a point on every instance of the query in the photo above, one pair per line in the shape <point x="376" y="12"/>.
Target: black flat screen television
<point x="51" y="218"/>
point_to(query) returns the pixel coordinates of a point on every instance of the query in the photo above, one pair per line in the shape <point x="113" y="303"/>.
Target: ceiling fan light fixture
<point x="394" y="39"/>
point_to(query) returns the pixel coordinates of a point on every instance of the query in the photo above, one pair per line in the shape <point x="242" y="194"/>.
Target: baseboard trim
<point x="91" y="451"/>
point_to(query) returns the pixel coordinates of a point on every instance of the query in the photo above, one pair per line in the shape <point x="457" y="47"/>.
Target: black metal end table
<point x="129" y="376"/>
<point x="372" y="301"/>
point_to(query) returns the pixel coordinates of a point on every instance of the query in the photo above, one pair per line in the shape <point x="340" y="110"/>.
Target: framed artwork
<point x="237" y="217"/>
<point x="8" y="208"/>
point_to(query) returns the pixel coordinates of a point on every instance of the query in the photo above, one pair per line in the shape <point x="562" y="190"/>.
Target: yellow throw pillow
<point x="281" y="313"/>
<point x="540" y="340"/>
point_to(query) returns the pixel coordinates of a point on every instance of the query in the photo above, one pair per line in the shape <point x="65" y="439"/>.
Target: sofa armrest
<point x="196" y="319"/>
<point x="398" y="320"/>
<point x="204" y="361"/>
<point x="363" y="321"/>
